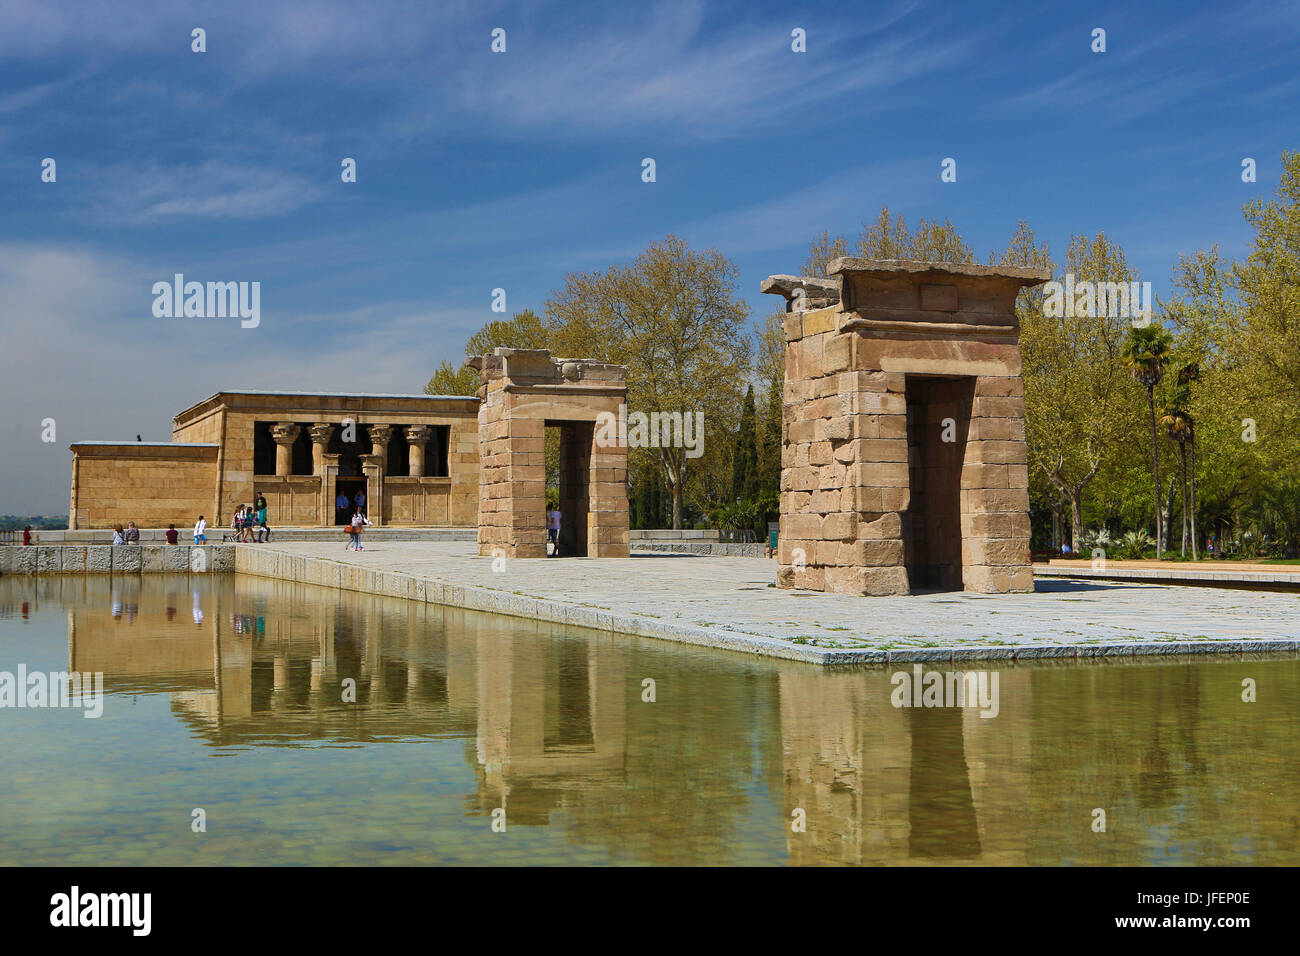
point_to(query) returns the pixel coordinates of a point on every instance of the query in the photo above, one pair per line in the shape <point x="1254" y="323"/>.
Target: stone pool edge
<point x="325" y="572"/>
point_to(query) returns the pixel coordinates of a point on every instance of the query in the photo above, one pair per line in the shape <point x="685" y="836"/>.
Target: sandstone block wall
<point x="524" y="391"/>
<point x="151" y="484"/>
<point x="904" y="465"/>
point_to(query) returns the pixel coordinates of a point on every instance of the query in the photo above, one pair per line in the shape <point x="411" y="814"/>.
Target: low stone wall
<point x="116" y="559"/>
<point x="158" y="536"/>
<point x="694" y="546"/>
<point x="304" y="569"/>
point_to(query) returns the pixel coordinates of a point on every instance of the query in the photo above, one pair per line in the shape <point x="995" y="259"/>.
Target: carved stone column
<point x="379" y="436"/>
<point x="417" y="436"/>
<point x="321" y="434"/>
<point x="372" y="466"/>
<point x="285" y="434"/>
<point x="328" y="472"/>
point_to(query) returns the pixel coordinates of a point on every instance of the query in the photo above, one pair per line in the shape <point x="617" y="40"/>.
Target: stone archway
<point x="903" y="462"/>
<point x="522" y="392"/>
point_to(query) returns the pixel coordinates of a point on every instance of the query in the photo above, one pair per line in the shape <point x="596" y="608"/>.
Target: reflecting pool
<point x="304" y="725"/>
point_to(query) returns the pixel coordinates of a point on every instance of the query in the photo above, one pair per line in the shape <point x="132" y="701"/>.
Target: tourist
<point x="200" y="530"/>
<point x="172" y="536"/>
<point x="117" y="534"/>
<point x="341" y="509"/>
<point x="1065" y="549"/>
<point x="360" y="500"/>
<point x="553" y="529"/>
<point x="354" y="532"/>
<point x="27" y="535"/>
<point x="1209" y="546"/>
<point x="132" y="533"/>
<point x="261" y="518"/>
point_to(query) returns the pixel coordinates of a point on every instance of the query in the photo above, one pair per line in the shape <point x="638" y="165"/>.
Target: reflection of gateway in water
<point x="882" y="784"/>
<point x="549" y="716"/>
<point x="542" y="720"/>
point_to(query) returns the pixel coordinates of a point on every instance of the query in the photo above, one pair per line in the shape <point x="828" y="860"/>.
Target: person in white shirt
<point x="200" y="527"/>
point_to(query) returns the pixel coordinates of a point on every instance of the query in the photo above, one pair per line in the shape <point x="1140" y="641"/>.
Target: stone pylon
<point x="903" y="462"/>
<point x="523" y="391"/>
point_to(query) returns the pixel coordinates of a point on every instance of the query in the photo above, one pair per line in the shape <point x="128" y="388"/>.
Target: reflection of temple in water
<point x="883" y="784"/>
<point x="556" y="732"/>
<point x="552" y="719"/>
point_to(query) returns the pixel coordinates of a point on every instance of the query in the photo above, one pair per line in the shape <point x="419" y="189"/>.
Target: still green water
<point x="227" y="695"/>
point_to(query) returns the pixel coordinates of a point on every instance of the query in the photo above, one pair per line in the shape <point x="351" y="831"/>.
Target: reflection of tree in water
<point x="1183" y="769"/>
<point x="941" y="810"/>
<point x="694" y="761"/>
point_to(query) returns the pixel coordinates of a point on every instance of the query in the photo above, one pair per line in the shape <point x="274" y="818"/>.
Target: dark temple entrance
<point x="938" y="418"/>
<point x="349" y="488"/>
<point x="572" y="477"/>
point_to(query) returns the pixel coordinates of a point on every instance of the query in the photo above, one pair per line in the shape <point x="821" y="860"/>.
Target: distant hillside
<point x="38" y="522"/>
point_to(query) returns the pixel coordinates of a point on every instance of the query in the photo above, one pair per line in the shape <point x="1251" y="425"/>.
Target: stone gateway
<point x="904" y="465"/>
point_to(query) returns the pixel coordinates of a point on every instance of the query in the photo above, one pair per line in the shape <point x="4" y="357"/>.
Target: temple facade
<point x="415" y="458"/>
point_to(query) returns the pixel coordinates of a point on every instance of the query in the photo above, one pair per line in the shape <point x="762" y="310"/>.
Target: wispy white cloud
<point x="209" y="190"/>
<point x="122" y="372"/>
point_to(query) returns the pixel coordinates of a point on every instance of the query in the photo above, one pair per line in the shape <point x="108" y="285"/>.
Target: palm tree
<point x="1178" y="423"/>
<point x="1146" y="352"/>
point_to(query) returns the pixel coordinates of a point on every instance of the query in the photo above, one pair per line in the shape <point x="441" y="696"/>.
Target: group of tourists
<point x="250" y="519"/>
<point x="246" y="520"/>
<point x="128" y="535"/>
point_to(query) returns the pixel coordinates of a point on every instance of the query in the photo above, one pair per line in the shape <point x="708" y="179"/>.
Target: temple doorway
<point x="349" y="487"/>
<point x="568" y="481"/>
<point x="938" y="418"/>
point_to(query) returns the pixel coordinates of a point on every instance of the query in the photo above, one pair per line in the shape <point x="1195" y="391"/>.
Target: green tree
<point x="673" y="317"/>
<point x="1076" y="408"/>
<point x="888" y="237"/>
<point x="1177" y="421"/>
<point x="452" y="380"/>
<point x="744" y="457"/>
<point x="769" y="431"/>
<point x="1146" y="353"/>
<point x="523" y="330"/>
<point x="822" y="250"/>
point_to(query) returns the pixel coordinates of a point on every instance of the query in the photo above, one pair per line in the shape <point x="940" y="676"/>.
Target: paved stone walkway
<point x="727" y="602"/>
<point x="1210" y="572"/>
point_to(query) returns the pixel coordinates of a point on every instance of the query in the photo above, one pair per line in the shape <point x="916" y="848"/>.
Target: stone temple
<point x="421" y="460"/>
<point x="904" y="463"/>
<point x="903" y="469"/>
<point x="414" y="456"/>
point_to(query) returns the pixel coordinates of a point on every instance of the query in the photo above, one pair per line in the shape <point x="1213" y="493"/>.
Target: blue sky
<point x="478" y="170"/>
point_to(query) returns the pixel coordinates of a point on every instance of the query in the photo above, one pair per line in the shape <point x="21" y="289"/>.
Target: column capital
<point x="379" y="434"/>
<point x="285" y="433"/>
<point x="321" y="433"/>
<point x="418" y="434"/>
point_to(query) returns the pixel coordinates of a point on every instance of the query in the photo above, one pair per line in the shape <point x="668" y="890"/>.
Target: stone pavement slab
<point x="730" y="603"/>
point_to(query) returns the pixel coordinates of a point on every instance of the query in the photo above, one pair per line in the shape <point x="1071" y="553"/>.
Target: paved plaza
<point x="731" y="603"/>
